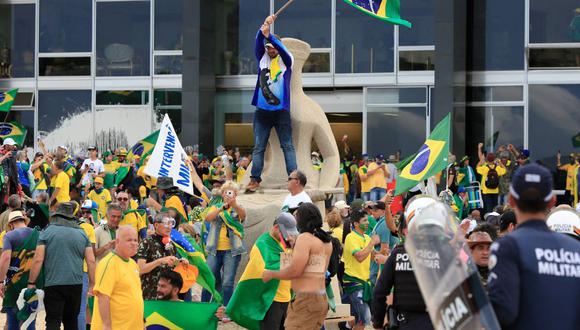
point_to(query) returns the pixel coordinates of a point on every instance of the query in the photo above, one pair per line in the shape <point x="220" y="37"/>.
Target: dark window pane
<point x="495" y="126"/>
<point x="65" y="118"/>
<point x="65" y="26"/>
<point x="553" y="121"/>
<point x="168" y="25"/>
<point x="64" y="66"/>
<point x="122" y="97"/>
<point x="26" y="119"/>
<point x="168" y="101"/>
<point x="168" y="64"/>
<point x="495" y="93"/>
<point x="241" y="20"/>
<point x="317" y="62"/>
<point x="555" y="58"/>
<point x="496" y="35"/>
<point x="23" y="99"/>
<point x="417" y="60"/>
<point x="308" y="21"/>
<point x="363" y="44"/>
<point x="422" y="14"/>
<point x="123" y="38"/>
<point x="17" y="41"/>
<point x="554" y="21"/>
<point x="392" y="129"/>
<point x="396" y="95"/>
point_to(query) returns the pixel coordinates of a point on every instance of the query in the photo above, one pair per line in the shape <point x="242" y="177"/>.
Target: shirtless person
<point x="307" y="270"/>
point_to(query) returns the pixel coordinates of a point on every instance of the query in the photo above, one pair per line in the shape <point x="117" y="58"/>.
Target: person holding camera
<point x="224" y="244"/>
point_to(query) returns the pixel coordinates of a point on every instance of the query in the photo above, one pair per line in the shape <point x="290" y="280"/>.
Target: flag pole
<point x="283" y="8"/>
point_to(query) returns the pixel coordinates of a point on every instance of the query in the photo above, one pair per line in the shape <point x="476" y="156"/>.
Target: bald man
<point x="119" y="300"/>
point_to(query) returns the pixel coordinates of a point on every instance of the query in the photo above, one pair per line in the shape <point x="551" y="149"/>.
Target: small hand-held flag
<point x="6" y="99"/>
<point x="386" y="10"/>
<point x="429" y="160"/>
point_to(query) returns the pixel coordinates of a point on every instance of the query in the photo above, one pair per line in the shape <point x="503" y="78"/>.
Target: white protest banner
<point x="168" y="158"/>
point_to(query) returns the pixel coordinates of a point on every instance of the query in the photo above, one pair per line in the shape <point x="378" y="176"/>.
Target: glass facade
<point x="17" y="40"/>
<point x="82" y="62"/>
<point x="65" y="26"/>
<point x="123" y="36"/>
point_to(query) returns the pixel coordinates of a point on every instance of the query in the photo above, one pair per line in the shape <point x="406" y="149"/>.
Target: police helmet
<point x="565" y="221"/>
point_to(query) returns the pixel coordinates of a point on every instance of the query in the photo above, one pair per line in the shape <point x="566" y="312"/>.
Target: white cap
<point x="565" y="221"/>
<point x="341" y="205"/>
<point x="9" y="142"/>
<point x="64" y="147"/>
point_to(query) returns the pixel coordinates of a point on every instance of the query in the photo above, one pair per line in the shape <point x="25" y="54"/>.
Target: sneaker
<point x="252" y="186"/>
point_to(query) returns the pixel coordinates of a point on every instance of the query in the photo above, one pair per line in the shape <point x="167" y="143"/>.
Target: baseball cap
<point x="379" y="205"/>
<point x="357" y="204"/>
<point x="64" y="148"/>
<point x="287" y="224"/>
<point x="89" y="204"/>
<point x="380" y="157"/>
<point x="506" y="219"/>
<point x="99" y="180"/>
<point x="341" y="205"/>
<point x="9" y="142"/>
<point x="479" y="237"/>
<point x="15" y="215"/>
<point x="532" y="176"/>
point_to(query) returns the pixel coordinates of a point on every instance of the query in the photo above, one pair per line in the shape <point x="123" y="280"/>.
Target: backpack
<point x="334" y="261"/>
<point x="492" y="180"/>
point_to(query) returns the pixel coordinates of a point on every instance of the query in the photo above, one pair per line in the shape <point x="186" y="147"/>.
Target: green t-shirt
<point x="64" y="254"/>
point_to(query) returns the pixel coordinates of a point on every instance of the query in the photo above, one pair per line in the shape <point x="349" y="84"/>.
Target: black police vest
<point x="407" y="295"/>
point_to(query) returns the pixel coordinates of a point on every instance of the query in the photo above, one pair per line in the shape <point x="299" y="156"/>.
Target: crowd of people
<point x="100" y="237"/>
<point x="98" y="227"/>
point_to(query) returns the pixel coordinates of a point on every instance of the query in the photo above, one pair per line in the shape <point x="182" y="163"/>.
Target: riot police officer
<point x="408" y="310"/>
<point x="535" y="273"/>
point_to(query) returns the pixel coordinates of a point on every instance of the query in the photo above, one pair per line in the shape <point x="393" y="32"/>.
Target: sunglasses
<point x="122" y="199"/>
<point x="291" y="178"/>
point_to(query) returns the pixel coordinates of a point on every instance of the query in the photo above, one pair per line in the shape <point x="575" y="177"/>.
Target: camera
<point x="230" y="193"/>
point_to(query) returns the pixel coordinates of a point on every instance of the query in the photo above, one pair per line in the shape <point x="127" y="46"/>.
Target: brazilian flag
<point x="144" y="147"/>
<point x="252" y="297"/>
<point x="385" y="10"/>
<point x="187" y="248"/>
<point x="13" y="130"/>
<point x="429" y="160"/>
<point x="6" y="99"/>
<point x="179" y="315"/>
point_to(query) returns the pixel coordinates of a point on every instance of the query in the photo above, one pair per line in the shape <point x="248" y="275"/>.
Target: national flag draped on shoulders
<point x="169" y="158"/>
<point x="429" y="160"/>
<point x="6" y="99"/>
<point x="385" y="10"/>
<point x="252" y="297"/>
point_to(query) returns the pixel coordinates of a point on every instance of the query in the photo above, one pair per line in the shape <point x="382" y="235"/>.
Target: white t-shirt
<point x="95" y="167"/>
<point x="291" y="202"/>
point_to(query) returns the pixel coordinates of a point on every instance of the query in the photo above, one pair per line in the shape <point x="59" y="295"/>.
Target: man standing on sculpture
<point x="272" y="101"/>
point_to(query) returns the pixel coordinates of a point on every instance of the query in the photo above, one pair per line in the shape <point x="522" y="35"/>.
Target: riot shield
<point x="448" y="280"/>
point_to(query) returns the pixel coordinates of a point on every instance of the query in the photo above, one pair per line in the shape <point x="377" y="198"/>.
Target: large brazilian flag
<point x="252" y="297"/>
<point x="13" y="130"/>
<point x="179" y="315"/>
<point x="385" y="10"/>
<point x="429" y="160"/>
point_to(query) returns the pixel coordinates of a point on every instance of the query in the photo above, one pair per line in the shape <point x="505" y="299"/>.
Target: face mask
<point x="98" y="190"/>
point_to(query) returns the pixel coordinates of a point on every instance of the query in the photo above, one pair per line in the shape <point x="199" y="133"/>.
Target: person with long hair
<point x="307" y="270"/>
